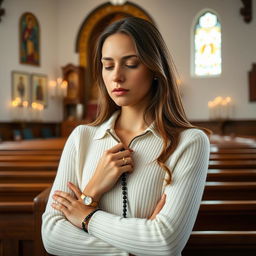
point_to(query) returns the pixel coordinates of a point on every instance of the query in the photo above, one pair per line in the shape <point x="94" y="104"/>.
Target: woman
<point x="131" y="182"/>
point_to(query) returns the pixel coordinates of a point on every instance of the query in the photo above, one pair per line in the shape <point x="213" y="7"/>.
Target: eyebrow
<point x="123" y="58"/>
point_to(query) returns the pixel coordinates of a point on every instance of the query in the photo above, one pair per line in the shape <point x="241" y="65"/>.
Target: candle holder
<point x="220" y="108"/>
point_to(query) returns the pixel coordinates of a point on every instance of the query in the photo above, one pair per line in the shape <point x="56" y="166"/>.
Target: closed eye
<point x="108" y="68"/>
<point x="132" y="66"/>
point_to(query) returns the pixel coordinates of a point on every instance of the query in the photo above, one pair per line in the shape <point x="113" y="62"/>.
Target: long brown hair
<point x="165" y="105"/>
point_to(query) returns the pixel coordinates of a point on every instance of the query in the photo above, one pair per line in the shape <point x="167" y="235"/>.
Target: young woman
<point x="131" y="182"/>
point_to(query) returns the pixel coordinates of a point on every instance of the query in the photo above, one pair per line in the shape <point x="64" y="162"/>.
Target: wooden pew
<point x="231" y="175"/>
<point x="234" y="164"/>
<point x="38" y="144"/>
<point x="221" y="243"/>
<point x="226" y="215"/>
<point x="27" y="176"/>
<point x="230" y="191"/>
<point x="30" y="158"/>
<point x="18" y="192"/>
<point x="225" y="210"/>
<point x="230" y="156"/>
<point x="29" y="152"/>
<point x="27" y="165"/>
<point x="40" y="202"/>
<point x="26" y="169"/>
<point x="233" y="150"/>
<point x="17" y="228"/>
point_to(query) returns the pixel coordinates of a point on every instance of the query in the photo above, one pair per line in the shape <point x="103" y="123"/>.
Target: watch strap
<point x="86" y="220"/>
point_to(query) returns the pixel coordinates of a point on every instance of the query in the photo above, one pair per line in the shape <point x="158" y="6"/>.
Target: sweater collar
<point x="109" y="125"/>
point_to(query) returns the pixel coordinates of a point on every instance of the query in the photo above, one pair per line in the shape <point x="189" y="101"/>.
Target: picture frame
<point x="29" y="33"/>
<point x="21" y="87"/>
<point x="39" y="89"/>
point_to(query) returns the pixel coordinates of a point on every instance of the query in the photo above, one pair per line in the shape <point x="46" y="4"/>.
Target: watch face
<point x="87" y="200"/>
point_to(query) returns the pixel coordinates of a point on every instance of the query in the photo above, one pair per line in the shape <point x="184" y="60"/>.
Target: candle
<point x="64" y="87"/>
<point x="53" y="88"/>
<point x="79" y="111"/>
<point x="210" y="108"/>
<point x="14" y="105"/>
<point x="34" y="111"/>
<point x="40" y="111"/>
<point x="25" y="114"/>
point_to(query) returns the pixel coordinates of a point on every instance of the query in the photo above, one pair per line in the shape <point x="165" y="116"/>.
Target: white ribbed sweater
<point x="111" y="234"/>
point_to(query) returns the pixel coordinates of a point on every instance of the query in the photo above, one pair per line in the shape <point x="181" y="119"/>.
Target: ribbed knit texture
<point x="111" y="234"/>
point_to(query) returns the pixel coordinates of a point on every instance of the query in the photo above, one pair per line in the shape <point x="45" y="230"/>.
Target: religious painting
<point x="39" y="89"/>
<point x="20" y="87"/>
<point x="29" y="39"/>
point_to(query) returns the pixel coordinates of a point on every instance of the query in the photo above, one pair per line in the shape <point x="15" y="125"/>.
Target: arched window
<point x="207" y="45"/>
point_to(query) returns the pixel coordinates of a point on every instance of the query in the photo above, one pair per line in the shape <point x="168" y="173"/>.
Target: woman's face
<point x="127" y="79"/>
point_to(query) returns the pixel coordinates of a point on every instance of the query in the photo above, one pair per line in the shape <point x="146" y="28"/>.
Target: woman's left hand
<point x="73" y="208"/>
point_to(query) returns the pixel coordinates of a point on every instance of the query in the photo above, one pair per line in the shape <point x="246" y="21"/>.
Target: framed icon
<point x="20" y="87"/>
<point x="39" y="89"/>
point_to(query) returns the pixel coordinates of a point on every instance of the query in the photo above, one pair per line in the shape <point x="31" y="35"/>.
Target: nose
<point x="118" y="75"/>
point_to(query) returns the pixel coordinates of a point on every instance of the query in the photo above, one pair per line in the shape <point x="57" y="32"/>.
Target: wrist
<point x="86" y="220"/>
<point x="92" y="191"/>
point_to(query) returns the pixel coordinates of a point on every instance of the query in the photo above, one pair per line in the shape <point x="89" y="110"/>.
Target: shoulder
<point x="82" y="133"/>
<point x="194" y="138"/>
<point x="194" y="134"/>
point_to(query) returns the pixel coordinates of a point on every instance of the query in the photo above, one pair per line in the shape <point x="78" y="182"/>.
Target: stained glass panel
<point x="207" y="41"/>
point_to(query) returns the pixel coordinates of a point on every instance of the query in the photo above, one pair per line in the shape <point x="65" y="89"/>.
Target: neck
<point x="132" y="120"/>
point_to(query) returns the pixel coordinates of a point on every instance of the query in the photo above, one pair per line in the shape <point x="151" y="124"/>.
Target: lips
<point x="120" y="91"/>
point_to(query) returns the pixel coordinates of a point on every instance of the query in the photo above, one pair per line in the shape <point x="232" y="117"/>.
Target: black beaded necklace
<point x="123" y="182"/>
<point x="124" y="191"/>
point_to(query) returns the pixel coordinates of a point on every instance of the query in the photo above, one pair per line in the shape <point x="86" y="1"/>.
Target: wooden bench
<point x="27" y="176"/>
<point x="230" y="156"/>
<point x="230" y="191"/>
<point x="226" y="215"/>
<point x="38" y="144"/>
<point x="17" y="228"/>
<point x="30" y="158"/>
<point x="234" y="150"/>
<point x="25" y="166"/>
<point x="231" y="175"/>
<point x="17" y="192"/>
<point x="221" y="243"/>
<point x="26" y="170"/>
<point x="235" y="164"/>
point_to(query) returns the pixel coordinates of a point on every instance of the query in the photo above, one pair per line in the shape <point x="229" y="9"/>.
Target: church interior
<point x="47" y="89"/>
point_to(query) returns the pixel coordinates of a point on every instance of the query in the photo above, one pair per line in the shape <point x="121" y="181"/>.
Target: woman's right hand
<point x="113" y="163"/>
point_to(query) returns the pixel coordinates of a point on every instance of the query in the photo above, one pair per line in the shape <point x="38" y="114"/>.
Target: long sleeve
<point x="60" y="237"/>
<point x="168" y="233"/>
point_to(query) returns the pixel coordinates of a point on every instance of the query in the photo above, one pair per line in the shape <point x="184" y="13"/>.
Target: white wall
<point x="46" y="12"/>
<point x="60" y="22"/>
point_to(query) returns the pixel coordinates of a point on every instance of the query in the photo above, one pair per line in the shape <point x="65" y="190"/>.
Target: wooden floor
<point x="225" y="224"/>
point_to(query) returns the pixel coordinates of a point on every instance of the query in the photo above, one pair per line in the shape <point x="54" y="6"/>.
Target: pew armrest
<point x="40" y="202"/>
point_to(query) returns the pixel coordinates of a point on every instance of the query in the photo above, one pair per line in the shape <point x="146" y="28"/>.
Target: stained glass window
<point x="207" y="45"/>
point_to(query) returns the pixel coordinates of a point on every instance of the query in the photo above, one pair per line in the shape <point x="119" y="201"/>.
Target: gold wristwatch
<point x="88" y="200"/>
